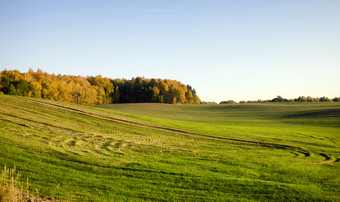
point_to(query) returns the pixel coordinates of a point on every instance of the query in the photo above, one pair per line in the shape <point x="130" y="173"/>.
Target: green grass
<point x="136" y="152"/>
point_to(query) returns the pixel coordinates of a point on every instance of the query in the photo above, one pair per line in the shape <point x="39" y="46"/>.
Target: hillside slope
<point x="82" y="153"/>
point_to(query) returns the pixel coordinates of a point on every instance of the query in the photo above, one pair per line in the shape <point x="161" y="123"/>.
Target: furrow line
<point x="127" y="122"/>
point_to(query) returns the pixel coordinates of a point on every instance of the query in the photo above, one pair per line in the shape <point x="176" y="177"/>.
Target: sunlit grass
<point x="173" y="152"/>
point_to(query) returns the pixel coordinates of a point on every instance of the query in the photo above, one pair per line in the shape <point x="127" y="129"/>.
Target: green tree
<point x="325" y="99"/>
<point x="12" y="90"/>
<point x="336" y="99"/>
<point x="4" y="84"/>
<point x="309" y="99"/>
<point x="278" y="99"/>
<point x="301" y="99"/>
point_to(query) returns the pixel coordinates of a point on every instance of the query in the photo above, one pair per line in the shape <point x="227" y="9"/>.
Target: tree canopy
<point x="95" y="90"/>
<point x="281" y="99"/>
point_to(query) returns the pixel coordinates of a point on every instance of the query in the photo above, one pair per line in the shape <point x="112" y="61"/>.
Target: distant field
<point x="137" y="152"/>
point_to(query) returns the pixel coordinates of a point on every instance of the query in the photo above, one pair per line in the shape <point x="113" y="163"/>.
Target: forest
<point x="95" y="90"/>
<point x="281" y="99"/>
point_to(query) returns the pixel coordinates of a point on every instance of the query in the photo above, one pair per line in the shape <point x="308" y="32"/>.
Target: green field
<point x="163" y="152"/>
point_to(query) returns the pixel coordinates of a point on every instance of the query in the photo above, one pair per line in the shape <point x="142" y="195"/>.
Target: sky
<point x="225" y="49"/>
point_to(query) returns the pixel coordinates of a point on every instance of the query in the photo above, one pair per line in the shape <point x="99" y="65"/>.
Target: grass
<point x="11" y="189"/>
<point x="9" y="186"/>
<point x="142" y="152"/>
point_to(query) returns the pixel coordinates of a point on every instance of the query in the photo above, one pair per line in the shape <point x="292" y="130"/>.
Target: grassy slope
<point x="173" y="152"/>
<point x="291" y="123"/>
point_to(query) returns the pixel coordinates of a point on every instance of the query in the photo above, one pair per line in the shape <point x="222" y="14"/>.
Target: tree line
<point x="95" y="90"/>
<point x="281" y="99"/>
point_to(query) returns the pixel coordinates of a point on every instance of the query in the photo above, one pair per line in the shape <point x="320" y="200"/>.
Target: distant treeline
<point x="281" y="99"/>
<point x="95" y="90"/>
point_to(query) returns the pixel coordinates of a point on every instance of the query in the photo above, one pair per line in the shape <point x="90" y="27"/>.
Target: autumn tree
<point x="95" y="90"/>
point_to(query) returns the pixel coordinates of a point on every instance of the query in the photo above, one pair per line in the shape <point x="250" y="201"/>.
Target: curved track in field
<point x="108" y="147"/>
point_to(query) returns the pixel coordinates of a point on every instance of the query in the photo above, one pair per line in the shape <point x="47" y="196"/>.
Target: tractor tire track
<point x="38" y="122"/>
<point x="131" y="123"/>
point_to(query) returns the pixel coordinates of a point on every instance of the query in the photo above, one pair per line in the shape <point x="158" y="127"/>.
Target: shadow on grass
<point x="325" y="113"/>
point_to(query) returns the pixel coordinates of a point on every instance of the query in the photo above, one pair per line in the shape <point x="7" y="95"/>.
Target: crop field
<point x="163" y="152"/>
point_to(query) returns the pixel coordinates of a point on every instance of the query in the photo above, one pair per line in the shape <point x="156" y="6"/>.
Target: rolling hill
<point x="162" y="152"/>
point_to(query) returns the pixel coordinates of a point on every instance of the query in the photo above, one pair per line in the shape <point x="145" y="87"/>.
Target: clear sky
<point x="237" y="49"/>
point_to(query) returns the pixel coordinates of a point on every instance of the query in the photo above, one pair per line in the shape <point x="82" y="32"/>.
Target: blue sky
<point x="240" y="50"/>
